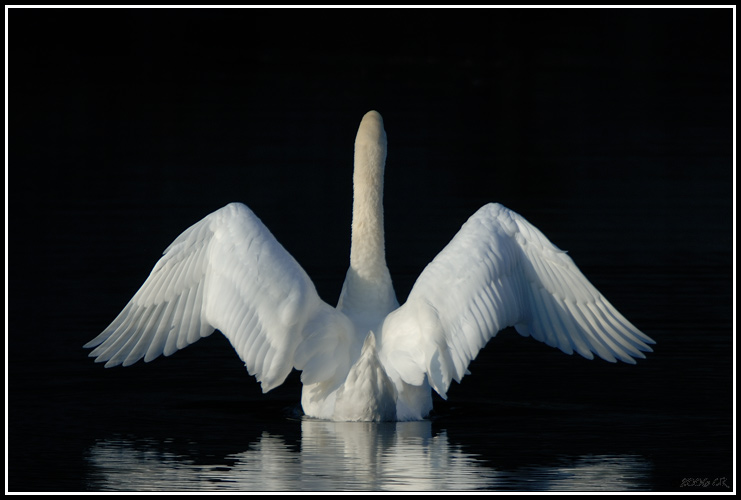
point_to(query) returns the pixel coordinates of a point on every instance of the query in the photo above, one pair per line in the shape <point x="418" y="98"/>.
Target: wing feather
<point x="228" y="272"/>
<point x="499" y="271"/>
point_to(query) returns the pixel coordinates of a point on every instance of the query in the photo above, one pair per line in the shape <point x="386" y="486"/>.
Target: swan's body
<point x="368" y="358"/>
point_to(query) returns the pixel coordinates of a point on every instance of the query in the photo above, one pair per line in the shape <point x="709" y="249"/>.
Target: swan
<point x="368" y="358"/>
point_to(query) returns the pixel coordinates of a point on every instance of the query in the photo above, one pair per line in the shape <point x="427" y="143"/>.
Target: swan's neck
<point x="368" y="290"/>
<point x="367" y="254"/>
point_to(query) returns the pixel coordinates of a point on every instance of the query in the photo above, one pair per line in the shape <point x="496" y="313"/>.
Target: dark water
<point x="610" y="130"/>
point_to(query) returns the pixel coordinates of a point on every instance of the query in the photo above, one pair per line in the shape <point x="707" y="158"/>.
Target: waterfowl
<point x="368" y="358"/>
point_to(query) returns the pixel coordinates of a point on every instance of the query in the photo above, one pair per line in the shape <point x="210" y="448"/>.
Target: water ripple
<point x="334" y="456"/>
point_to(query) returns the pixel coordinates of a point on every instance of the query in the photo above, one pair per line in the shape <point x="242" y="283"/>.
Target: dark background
<point x="609" y="129"/>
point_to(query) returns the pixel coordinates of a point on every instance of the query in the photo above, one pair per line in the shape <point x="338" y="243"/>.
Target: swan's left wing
<point x="499" y="271"/>
<point x="228" y="272"/>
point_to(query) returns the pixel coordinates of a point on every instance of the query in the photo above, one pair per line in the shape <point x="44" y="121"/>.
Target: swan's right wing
<point x="499" y="271"/>
<point x="228" y="272"/>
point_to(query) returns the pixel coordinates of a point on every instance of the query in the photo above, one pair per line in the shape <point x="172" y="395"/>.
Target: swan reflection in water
<point x="350" y="456"/>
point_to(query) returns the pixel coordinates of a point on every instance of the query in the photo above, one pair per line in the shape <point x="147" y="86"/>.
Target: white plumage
<point x="369" y="358"/>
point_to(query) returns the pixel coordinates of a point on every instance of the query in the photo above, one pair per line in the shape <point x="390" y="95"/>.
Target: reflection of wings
<point x="342" y="456"/>
<point x="228" y="272"/>
<point x="500" y="271"/>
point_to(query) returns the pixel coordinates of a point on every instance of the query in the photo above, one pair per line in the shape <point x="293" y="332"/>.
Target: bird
<point x="368" y="358"/>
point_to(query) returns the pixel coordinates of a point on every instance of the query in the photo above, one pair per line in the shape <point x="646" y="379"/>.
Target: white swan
<point x="367" y="359"/>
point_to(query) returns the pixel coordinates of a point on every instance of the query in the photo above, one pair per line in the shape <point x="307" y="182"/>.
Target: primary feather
<point x="368" y="358"/>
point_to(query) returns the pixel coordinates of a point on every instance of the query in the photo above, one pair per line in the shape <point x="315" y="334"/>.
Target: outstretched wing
<point x="228" y="272"/>
<point x="499" y="271"/>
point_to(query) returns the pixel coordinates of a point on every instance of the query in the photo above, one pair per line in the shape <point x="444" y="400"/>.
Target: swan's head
<point x="370" y="150"/>
<point x="371" y="132"/>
